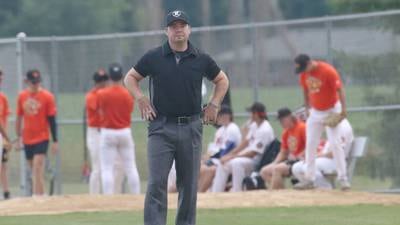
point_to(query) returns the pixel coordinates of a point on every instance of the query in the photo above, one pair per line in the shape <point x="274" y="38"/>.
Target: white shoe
<point x="344" y="185"/>
<point x="306" y="185"/>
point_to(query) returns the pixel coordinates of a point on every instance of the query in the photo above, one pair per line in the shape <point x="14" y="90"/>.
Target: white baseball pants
<point x="93" y="145"/>
<point x="323" y="165"/>
<point x="118" y="142"/>
<point x="239" y="168"/>
<point x="314" y="131"/>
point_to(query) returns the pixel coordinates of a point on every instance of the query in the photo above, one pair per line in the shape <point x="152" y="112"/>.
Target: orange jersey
<point x="321" y="85"/>
<point x="116" y="106"/>
<point x="35" y="108"/>
<point x="294" y="139"/>
<point x="4" y="110"/>
<point x="94" y="118"/>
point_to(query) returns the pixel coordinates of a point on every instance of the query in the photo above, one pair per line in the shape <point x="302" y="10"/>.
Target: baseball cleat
<point x="344" y="185"/>
<point x="306" y="185"/>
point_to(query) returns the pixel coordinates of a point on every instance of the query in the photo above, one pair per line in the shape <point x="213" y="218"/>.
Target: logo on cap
<point x="176" y="13"/>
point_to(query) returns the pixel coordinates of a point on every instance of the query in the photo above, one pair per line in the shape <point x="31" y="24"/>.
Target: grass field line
<point x="285" y="198"/>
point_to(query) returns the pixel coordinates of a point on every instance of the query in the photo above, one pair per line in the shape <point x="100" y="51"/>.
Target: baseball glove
<point x="333" y="119"/>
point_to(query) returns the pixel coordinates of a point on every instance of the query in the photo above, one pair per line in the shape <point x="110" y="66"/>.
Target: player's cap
<point x="284" y="112"/>
<point x="175" y="16"/>
<point x="225" y="110"/>
<point x="115" y="71"/>
<point x="33" y="76"/>
<point x="100" y="76"/>
<point x="257" y="107"/>
<point x="301" y="62"/>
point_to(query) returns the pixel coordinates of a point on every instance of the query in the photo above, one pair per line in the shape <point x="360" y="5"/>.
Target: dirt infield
<point x="287" y="198"/>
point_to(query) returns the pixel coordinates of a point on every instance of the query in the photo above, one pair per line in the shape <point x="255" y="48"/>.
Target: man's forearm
<point x="220" y="89"/>
<point x="342" y="100"/>
<point x="247" y="154"/>
<point x="132" y="84"/>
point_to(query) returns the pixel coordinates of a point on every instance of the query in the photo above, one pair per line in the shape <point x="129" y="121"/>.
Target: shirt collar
<point x="166" y="49"/>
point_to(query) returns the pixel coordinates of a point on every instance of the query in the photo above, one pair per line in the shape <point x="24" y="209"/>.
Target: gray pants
<point x="168" y="141"/>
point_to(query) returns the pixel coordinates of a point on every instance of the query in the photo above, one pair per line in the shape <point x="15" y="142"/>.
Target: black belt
<point x="180" y="120"/>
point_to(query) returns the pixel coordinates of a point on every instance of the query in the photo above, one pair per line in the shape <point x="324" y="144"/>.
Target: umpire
<point x="176" y="70"/>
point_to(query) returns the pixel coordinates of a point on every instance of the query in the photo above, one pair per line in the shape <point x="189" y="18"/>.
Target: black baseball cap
<point x="100" y="76"/>
<point x="175" y="16"/>
<point x="225" y="110"/>
<point x="284" y="112"/>
<point x="115" y="71"/>
<point x="33" y="76"/>
<point x="301" y="62"/>
<point x="257" y="107"/>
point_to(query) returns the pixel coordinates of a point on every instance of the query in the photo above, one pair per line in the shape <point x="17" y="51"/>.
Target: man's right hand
<point x="146" y="109"/>
<point x="224" y="159"/>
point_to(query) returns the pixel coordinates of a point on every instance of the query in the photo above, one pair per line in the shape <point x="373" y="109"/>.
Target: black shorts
<point x="4" y="156"/>
<point x="290" y="163"/>
<point x="36" y="149"/>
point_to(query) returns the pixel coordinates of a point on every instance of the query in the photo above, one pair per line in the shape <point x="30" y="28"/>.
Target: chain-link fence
<point x="258" y="59"/>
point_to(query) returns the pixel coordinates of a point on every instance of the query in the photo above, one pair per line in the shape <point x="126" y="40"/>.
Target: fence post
<point x="25" y="186"/>
<point x="256" y="55"/>
<point x="328" y="28"/>
<point x="54" y="74"/>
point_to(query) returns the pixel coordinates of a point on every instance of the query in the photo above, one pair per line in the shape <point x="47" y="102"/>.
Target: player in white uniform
<point x="93" y="120"/>
<point x="240" y="162"/>
<point x="227" y="137"/>
<point x="323" y="95"/>
<point x="325" y="163"/>
<point x="116" y="104"/>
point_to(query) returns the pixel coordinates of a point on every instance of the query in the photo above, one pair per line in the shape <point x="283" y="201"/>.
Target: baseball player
<point x="292" y="150"/>
<point x="36" y="115"/>
<point x="323" y="96"/>
<point x="226" y="138"/>
<point x="94" y="120"/>
<point x="241" y="161"/>
<point x="116" y="105"/>
<point x="4" y="112"/>
<point x="325" y="163"/>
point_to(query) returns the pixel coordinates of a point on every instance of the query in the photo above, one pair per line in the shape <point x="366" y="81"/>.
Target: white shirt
<point x="225" y="134"/>
<point x="259" y="137"/>
<point x="346" y="137"/>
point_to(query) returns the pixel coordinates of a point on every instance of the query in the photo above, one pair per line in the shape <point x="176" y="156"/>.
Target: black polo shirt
<point x="176" y="84"/>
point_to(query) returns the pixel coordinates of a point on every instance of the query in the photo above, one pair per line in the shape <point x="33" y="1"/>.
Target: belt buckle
<point x="183" y="120"/>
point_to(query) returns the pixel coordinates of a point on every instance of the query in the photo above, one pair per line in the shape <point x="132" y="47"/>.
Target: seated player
<point x="325" y="162"/>
<point x="227" y="137"/>
<point x="241" y="161"/>
<point x="292" y="150"/>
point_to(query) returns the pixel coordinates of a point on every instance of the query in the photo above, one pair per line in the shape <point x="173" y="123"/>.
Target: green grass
<point x="332" y="215"/>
